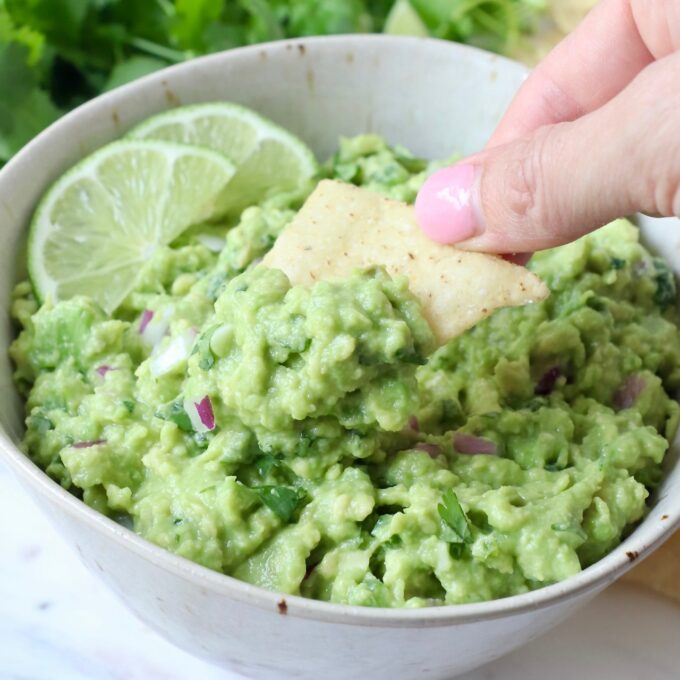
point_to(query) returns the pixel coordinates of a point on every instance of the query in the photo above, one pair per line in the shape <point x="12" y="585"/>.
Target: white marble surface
<point x="58" y="622"/>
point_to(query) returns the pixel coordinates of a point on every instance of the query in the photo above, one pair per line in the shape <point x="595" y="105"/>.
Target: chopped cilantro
<point x="267" y="463"/>
<point x="281" y="500"/>
<point x="202" y="347"/>
<point x="56" y="55"/>
<point x="451" y="512"/>
<point x="175" y="413"/>
<point x="40" y="423"/>
<point x="411" y="356"/>
<point x="665" y="284"/>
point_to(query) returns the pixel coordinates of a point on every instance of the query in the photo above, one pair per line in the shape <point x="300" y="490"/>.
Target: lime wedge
<point x="404" y="20"/>
<point x="102" y="220"/>
<point x="268" y="158"/>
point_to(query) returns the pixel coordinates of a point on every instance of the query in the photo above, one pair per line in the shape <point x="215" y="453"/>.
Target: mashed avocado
<point x="309" y="441"/>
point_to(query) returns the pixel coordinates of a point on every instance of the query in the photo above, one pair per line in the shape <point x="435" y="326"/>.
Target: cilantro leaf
<point x="131" y="69"/>
<point x="267" y="463"/>
<point x="454" y="516"/>
<point x="206" y="358"/>
<point x="40" y="424"/>
<point x="175" y="413"/>
<point x="25" y="109"/>
<point x="665" y="284"/>
<point x="56" y="54"/>
<point x="281" y="500"/>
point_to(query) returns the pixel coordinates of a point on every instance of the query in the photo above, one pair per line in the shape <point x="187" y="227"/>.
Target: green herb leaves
<point x="282" y="500"/>
<point x="55" y="54"/>
<point x="665" y="284"/>
<point x="202" y="347"/>
<point x="175" y="413"/>
<point x="454" y="516"/>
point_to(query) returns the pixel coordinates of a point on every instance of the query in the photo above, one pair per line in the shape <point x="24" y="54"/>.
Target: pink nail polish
<point x="445" y="206"/>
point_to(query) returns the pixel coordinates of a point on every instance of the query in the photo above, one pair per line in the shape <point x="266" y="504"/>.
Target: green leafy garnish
<point x="206" y="358"/>
<point x="281" y="500"/>
<point x="56" y="55"/>
<point x="175" y="413"/>
<point x="40" y="423"/>
<point x="665" y="284"/>
<point x="267" y="464"/>
<point x="451" y="512"/>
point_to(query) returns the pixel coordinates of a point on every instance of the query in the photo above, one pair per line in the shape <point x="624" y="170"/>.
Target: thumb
<point x="564" y="180"/>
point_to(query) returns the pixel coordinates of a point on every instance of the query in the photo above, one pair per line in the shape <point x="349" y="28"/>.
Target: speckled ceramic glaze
<point x="433" y="97"/>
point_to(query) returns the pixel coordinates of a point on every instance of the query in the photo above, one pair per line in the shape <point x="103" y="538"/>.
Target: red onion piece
<point x="471" y="445"/>
<point x="546" y="383"/>
<point x="88" y="444"/>
<point x="413" y="424"/>
<point x="147" y="315"/>
<point x="432" y="450"/>
<point x="628" y="392"/>
<point x="104" y="369"/>
<point x="205" y="413"/>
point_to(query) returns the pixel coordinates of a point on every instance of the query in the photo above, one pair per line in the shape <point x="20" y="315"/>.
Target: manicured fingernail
<point x="445" y="205"/>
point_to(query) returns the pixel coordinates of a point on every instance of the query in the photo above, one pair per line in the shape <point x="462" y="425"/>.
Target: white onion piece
<point x="173" y="355"/>
<point x="213" y="243"/>
<point x="155" y="327"/>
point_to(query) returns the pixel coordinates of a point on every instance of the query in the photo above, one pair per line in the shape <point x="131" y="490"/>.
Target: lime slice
<point x="102" y="220"/>
<point x="404" y="20"/>
<point x="268" y="158"/>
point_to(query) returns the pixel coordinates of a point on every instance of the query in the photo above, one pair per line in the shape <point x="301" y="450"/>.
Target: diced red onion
<point x="153" y="327"/>
<point x="211" y="242"/>
<point x="201" y="414"/>
<point x="104" y="369"/>
<point x="147" y="315"/>
<point x="88" y="444"/>
<point x="471" y="445"/>
<point x="628" y="392"/>
<point x="413" y="424"/>
<point x="546" y="383"/>
<point x="432" y="450"/>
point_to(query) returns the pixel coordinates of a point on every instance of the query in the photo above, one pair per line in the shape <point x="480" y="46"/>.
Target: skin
<point x="593" y="134"/>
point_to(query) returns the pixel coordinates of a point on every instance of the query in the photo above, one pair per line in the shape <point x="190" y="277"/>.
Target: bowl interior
<point x="432" y="97"/>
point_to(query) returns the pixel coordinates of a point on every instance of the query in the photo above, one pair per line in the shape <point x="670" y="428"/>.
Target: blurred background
<point x="56" y="54"/>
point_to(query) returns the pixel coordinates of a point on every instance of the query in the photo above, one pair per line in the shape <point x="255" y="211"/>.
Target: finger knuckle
<point x="526" y="180"/>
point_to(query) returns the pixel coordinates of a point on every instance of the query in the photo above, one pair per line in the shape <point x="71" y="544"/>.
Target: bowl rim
<point x="642" y="541"/>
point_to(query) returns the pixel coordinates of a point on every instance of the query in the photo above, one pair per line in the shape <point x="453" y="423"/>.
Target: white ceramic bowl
<point x="433" y="97"/>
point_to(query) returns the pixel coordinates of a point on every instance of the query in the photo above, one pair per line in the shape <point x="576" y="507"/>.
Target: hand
<point x="593" y="134"/>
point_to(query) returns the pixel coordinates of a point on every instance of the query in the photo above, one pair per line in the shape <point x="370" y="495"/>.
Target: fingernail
<point x="445" y="205"/>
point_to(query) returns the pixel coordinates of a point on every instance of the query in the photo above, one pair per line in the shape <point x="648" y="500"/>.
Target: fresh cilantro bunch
<point x="56" y="54"/>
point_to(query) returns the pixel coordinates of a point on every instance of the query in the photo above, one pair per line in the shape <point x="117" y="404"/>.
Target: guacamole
<point x="312" y="441"/>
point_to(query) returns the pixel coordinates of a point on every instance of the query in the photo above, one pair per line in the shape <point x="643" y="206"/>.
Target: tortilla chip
<point x="342" y="227"/>
<point x="660" y="571"/>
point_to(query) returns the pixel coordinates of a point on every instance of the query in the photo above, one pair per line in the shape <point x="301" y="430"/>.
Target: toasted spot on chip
<point x="342" y="227"/>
